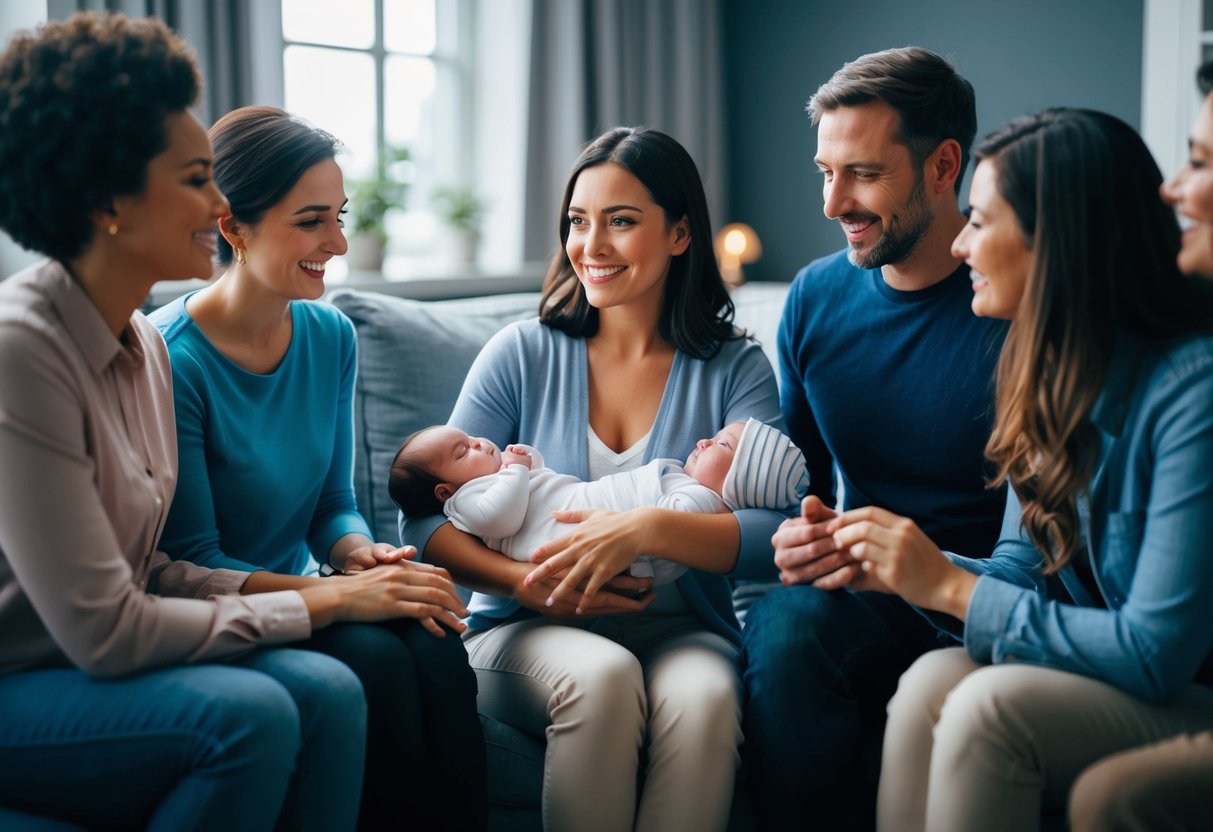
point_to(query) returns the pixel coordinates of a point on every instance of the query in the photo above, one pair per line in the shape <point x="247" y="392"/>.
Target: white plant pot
<point x="462" y="246"/>
<point x="365" y="253"/>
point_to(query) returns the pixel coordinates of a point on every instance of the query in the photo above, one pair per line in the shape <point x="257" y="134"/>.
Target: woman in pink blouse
<point x="115" y="714"/>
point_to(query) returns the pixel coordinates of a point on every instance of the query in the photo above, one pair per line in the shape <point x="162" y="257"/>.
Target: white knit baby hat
<point x="767" y="471"/>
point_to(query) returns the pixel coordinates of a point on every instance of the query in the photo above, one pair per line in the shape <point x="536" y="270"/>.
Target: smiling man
<point x="888" y="382"/>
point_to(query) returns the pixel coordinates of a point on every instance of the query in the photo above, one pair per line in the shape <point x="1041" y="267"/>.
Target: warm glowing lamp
<point x="736" y="245"/>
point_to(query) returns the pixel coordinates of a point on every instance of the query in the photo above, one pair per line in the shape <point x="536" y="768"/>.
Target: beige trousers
<point x="1156" y="788"/>
<point x="987" y="747"/>
<point x="602" y="690"/>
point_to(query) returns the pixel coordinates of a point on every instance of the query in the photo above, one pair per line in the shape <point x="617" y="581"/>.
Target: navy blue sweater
<point x="897" y="390"/>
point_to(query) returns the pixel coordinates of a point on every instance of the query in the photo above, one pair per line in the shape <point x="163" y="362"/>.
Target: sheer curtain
<point x="597" y="64"/>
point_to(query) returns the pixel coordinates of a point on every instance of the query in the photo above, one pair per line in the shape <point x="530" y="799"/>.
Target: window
<point x="370" y="72"/>
<point x="1174" y="42"/>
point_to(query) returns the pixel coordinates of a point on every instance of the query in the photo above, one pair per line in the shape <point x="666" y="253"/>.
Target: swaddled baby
<point x="506" y="498"/>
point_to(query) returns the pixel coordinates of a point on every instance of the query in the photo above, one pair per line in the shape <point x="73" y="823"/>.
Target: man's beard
<point x="901" y="237"/>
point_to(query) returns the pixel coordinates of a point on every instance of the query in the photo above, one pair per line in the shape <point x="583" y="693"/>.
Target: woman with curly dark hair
<point x="1087" y="630"/>
<point x="116" y="714"/>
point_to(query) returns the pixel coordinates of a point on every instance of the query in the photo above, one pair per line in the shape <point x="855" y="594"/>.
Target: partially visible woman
<point x="114" y="716"/>
<point x="634" y="357"/>
<point x="1104" y="430"/>
<point x="263" y="382"/>
<point x="1164" y="785"/>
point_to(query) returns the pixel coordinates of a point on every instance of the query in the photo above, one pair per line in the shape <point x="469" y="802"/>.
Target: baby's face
<point x="711" y="459"/>
<point x="456" y="458"/>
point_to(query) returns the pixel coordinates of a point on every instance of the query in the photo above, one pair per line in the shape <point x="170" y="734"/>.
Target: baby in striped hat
<point x="507" y="498"/>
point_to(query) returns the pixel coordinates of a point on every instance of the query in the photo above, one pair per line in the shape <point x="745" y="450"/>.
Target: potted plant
<point x="461" y="209"/>
<point x="371" y="200"/>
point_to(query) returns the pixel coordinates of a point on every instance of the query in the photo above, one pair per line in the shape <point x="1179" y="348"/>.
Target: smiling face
<point x="455" y="458"/>
<point x="619" y="242"/>
<point x="1191" y="192"/>
<point x="712" y="458"/>
<point x="169" y="228"/>
<point x="289" y="249"/>
<point x="993" y="244"/>
<point x="872" y="186"/>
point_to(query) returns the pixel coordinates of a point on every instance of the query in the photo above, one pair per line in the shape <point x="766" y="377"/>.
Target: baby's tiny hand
<point x="515" y="455"/>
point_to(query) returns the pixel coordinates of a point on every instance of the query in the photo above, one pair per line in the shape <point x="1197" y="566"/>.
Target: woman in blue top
<point x="1087" y="631"/>
<point x="261" y="375"/>
<point x="1164" y="785"/>
<point x="633" y="357"/>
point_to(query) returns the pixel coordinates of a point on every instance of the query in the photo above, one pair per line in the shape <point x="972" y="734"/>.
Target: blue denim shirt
<point x="1147" y="521"/>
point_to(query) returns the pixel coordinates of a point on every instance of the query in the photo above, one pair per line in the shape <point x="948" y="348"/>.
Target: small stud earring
<point x="113" y="229"/>
<point x="240" y="258"/>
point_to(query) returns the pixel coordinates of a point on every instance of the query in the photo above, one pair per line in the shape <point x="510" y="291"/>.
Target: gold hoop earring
<point x="240" y="258"/>
<point x="113" y="229"/>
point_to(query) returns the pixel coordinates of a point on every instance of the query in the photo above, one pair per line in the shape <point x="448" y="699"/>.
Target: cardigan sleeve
<point x="751" y="392"/>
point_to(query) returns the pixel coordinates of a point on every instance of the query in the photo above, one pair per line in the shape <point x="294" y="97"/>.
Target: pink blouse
<point x="88" y="464"/>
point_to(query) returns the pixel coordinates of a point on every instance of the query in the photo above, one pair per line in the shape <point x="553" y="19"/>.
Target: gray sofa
<point x="412" y="360"/>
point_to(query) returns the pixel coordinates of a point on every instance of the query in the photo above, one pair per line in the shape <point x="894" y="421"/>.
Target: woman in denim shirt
<point x="1086" y="632"/>
<point x="1164" y="785"/>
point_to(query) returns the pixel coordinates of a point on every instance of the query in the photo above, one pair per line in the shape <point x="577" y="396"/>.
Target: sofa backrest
<point x="414" y="355"/>
<point x="412" y="359"/>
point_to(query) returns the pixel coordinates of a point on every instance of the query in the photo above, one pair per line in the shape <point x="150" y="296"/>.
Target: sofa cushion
<point x="412" y="359"/>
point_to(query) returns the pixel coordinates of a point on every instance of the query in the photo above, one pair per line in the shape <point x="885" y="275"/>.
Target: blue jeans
<point x="819" y="669"/>
<point x="207" y="746"/>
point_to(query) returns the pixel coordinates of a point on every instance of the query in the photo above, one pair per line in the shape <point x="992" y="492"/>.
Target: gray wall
<point x="1020" y="57"/>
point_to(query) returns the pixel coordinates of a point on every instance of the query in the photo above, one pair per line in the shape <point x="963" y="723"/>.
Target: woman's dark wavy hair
<point x="697" y="313"/>
<point x="260" y="153"/>
<point x="83" y="104"/>
<point x="410" y="485"/>
<point x="1084" y="189"/>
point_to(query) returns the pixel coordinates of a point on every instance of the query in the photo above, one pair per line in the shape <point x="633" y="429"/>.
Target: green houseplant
<point x="371" y="199"/>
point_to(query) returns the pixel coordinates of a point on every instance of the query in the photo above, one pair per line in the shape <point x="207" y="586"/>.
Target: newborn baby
<point x="507" y="498"/>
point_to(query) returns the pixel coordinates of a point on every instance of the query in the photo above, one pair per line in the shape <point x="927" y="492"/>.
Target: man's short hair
<point x="933" y="102"/>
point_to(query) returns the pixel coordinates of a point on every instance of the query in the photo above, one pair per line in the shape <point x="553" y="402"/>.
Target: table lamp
<point x="736" y="245"/>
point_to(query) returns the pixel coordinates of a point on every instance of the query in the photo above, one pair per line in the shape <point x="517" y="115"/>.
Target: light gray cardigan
<point x="529" y="384"/>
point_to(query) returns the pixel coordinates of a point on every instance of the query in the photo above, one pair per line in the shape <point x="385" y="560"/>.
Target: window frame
<point x="454" y="72"/>
<point x="1172" y="43"/>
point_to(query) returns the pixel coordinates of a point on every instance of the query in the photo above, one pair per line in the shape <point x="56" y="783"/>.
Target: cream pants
<point x="1155" y="788"/>
<point x="987" y="747"/>
<point x="603" y="689"/>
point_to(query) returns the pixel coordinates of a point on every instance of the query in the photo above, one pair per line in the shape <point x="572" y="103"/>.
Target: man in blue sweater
<point x="888" y="381"/>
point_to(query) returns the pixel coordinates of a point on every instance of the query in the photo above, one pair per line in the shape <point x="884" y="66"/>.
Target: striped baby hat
<point x="767" y="471"/>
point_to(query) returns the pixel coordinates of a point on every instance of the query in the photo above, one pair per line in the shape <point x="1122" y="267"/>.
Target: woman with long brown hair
<point x="1086" y="631"/>
<point x="633" y="357"/>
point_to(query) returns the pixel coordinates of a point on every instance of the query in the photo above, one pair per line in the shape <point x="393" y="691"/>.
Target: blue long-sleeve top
<point x="530" y="384"/>
<point x="1147" y="527"/>
<point x="266" y="460"/>
<point x="896" y="388"/>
